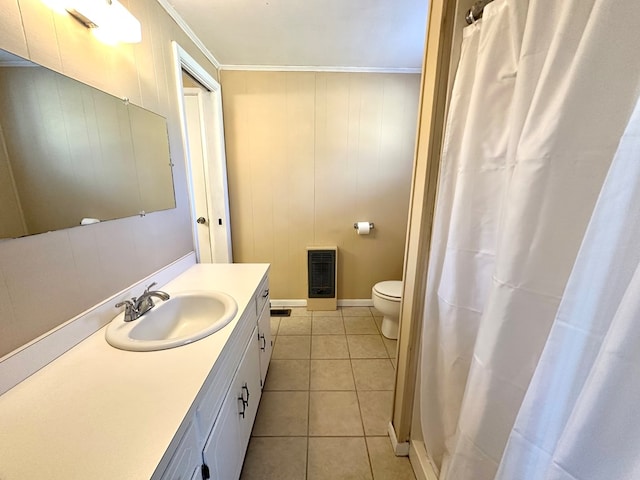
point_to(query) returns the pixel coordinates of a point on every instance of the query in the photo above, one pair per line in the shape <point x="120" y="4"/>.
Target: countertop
<point x="102" y="413"/>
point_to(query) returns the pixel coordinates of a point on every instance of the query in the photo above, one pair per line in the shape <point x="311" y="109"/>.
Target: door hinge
<point x="205" y="472"/>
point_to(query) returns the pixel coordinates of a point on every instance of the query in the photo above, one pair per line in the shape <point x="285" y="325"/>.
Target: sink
<point x="183" y="319"/>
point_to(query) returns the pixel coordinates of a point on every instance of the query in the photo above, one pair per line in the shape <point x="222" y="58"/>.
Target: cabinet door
<point x="265" y="341"/>
<point x="227" y="443"/>
<point x="187" y="457"/>
<point x="222" y="451"/>
<point x="197" y="474"/>
<point x="250" y="388"/>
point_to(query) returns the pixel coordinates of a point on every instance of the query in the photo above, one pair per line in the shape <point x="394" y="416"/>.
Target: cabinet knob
<point x="264" y="341"/>
<point x="201" y="220"/>
<point x="265" y="294"/>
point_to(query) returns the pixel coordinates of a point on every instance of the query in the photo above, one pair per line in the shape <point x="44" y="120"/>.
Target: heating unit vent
<point x="321" y="269"/>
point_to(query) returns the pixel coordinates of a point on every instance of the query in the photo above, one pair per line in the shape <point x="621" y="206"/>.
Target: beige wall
<point x="309" y="154"/>
<point x="47" y="279"/>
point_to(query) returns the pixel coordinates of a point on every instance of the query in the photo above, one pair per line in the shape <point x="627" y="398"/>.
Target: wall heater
<point x="322" y="278"/>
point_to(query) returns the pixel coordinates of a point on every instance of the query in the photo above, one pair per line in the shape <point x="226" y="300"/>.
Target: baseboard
<point x="400" y="449"/>
<point x="288" y="303"/>
<point x="419" y="458"/>
<point x="353" y="302"/>
<point x="23" y="362"/>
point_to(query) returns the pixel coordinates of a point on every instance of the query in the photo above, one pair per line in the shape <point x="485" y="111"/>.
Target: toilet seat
<point x="389" y="290"/>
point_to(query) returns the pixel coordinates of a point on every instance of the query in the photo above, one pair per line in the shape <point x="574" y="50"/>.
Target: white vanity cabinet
<point x="215" y="441"/>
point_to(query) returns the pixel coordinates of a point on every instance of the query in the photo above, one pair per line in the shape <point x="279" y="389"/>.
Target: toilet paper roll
<point x="363" y="228"/>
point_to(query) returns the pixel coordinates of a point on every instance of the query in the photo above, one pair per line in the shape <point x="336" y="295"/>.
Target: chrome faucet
<point x="136" y="307"/>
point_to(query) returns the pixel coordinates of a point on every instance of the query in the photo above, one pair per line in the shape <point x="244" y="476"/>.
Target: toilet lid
<point x="390" y="288"/>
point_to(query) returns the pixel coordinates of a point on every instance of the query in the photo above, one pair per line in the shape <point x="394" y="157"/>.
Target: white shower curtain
<point x="580" y="419"/>
<point x="542" y="96"/>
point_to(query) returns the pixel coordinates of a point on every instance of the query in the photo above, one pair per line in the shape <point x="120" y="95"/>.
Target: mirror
<point x="72" y="154"/>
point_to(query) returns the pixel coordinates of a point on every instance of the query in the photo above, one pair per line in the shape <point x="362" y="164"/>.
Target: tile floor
<point x="327" y="401"/>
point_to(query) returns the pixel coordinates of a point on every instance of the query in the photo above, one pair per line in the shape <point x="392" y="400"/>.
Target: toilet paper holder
<point x="355" y="225"/>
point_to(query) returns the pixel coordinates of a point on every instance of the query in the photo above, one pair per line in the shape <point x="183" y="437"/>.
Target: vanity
<point x="187" y="412"/>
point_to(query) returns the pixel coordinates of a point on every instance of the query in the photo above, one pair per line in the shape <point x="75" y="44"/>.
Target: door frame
<point x="215" y="164"/>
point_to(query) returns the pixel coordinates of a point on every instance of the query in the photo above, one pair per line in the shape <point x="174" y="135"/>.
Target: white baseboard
<point x="288" y="303"/>
<point x="419" y="458"/>
<point x="28" y="359"/>
<point x="353" y="302"/>
<point x="400" y="449"/>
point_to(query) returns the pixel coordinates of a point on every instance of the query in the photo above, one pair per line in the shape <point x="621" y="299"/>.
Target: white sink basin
<point x="184" y="318"/>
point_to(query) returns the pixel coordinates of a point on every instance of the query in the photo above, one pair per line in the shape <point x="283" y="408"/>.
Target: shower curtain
<point x="543" y="94"/>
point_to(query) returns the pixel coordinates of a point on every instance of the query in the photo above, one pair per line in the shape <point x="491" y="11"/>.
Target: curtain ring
<point x="469" y="17"/>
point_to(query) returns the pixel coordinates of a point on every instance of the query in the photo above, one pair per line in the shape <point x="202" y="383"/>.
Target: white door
<point x="194" y="113"/>
<point x="203" y="136"/>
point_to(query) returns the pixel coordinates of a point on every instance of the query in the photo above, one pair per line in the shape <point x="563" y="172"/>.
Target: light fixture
<point x="109" y="19"/>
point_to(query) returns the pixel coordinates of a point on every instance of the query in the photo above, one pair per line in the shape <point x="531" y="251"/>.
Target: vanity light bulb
<point x="109" y="20"/>
<point x="119" y="24"/>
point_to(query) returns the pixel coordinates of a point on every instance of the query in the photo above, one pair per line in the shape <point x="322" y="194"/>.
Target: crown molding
<point x="190" y="33"/>
<point x="307" y="68"/>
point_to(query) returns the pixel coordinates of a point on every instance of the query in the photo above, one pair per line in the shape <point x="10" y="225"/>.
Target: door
<point x="203" y="140"/>
<point x="194" y="113"/>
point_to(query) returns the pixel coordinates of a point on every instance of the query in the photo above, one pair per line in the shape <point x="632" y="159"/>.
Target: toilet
<point x="386" y="298"/>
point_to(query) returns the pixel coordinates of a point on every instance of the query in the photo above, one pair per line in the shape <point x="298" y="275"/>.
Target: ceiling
<point x="368" y="35"/>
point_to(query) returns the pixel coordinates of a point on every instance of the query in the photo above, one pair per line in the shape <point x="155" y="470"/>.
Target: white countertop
<point x="98" y="412"/>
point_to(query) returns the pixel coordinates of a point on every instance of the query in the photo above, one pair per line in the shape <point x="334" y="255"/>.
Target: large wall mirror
<point x="72" y="154"/>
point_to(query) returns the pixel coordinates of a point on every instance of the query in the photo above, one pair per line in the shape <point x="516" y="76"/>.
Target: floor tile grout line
<point x="379" y="328"/>
<point x="364" y="432"/>
<point x="366" y="446"/>
<point x="306" y="472"/>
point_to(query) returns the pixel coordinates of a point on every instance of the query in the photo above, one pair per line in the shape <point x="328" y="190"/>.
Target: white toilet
<point x="386" y="298"/>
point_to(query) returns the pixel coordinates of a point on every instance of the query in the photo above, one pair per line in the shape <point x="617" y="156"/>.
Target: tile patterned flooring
<point x="327" y="401"/>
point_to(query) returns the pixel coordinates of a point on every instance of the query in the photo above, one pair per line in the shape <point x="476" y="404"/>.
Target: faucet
<point x="136" y="307"/>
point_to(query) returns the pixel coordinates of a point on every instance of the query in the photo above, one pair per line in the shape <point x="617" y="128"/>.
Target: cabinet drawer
<point x="262" y="295"/>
